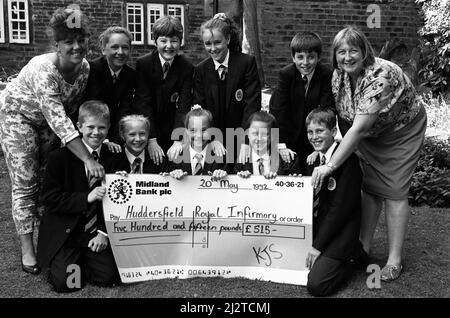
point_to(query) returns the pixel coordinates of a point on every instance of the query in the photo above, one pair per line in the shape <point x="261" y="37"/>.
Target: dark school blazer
<point x="118" y="96"/>
<point x="337" y="225"/>
<point x="243" y="91"/>
<point x="290" y="106"/>
<point x="64" y="194"/>
<point x="164" y="101"/>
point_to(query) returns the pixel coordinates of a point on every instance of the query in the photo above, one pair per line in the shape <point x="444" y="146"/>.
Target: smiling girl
<point x="227" y="82"/>
<point x="135" y="130"/>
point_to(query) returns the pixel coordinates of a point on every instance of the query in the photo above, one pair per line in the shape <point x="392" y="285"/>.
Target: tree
<point x="436" y="45"/>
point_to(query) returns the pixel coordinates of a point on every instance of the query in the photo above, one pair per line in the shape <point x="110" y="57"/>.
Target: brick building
<point x="23" y="24"/>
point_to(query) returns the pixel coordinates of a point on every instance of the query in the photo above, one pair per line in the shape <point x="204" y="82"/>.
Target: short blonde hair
<point x="355" y="37"/>
<point x="199" y="112"/>
<point x="93" y="108"/>
<point x="129" y="118"/>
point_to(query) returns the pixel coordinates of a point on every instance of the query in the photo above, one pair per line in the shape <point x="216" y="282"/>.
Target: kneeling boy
<point x="73" y="230"/>
<point x="336" y="249"/>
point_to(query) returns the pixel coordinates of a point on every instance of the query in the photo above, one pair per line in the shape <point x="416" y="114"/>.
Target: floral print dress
<point x="36" y="104"/>
<point x="390" y="149"/>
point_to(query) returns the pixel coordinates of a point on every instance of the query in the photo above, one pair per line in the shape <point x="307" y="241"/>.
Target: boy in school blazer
<point x="111" y="80"/>
<point x="262" y="145"/>
<point x="73" y="229"/>
<point x="302" y="86"/>
<point x="336" y="249"/>
<point x="164" y="86"/>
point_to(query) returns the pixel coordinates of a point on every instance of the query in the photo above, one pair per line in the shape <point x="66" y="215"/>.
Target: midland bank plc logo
<point x="120" y="191"/>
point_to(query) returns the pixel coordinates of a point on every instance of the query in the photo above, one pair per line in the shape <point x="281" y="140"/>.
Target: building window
<point x="2" y="23"/>
<point x="177" y="11"/>
<point x="135" y="19"/>
<point x="135" y="22"/>
<point x="18" y="22"/>
<point x="154" y="12"/>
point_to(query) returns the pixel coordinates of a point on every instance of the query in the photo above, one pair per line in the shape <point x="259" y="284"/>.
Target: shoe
<point x="390" y="272"/>
<point x="31" y="269"/>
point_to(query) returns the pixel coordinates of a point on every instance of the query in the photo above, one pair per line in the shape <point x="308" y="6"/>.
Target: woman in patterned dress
<point x="383" y="121"/>
<point x="34" y="109"/>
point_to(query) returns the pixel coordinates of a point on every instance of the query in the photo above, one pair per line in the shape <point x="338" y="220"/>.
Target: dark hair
<point x="104" y="37"/>
<point x="264" y="117"/>
<point x="167" y="26"/>
<point x="227" y="27"/>
<point x="322" y="115"/>
<point x="68" y="23"/>
<point x="93" y="108"/>
<point x="355" y="37"/>
<point x="306" y="42"/>
<point x="198" y="112"/>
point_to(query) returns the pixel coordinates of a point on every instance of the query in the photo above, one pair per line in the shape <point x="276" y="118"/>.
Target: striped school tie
<point x="222" y="72"/>
<point x="317" y="192"/>
<point x="166" y="69"/>
<point x="91" y="215"/>
<point x="198" y="167"/>
<point x="261" y="166"/>
<point x="136" y="166"/>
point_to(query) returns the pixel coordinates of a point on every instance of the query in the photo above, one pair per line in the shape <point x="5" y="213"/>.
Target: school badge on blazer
<point x="174" y="97"/>
<point x="331" y="184"/>
<point x="239" y="95"/>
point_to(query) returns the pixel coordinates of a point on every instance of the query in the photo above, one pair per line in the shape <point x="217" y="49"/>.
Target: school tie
<point x="114" y="78"/>
<point x="198" y="167"/>
<point x="317" y="191"/>
<point x="305" y="82"/>
<point x="136" y="166"/>
<point x="222" y="72"/>
<point x="261" y="166"/>
<point x="166" y="69"/>
<point x="91" y="215"/>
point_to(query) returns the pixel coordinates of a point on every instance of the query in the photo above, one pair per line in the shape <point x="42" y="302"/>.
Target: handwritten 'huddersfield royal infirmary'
<point x="160" y="227"/>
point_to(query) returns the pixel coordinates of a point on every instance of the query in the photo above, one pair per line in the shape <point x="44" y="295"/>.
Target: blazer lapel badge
<point x="331" y="183"/>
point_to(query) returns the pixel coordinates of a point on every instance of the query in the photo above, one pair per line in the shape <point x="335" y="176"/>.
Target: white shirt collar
<point x="112" y="72"/>
<point x="329" y="152"/>
<point x="91" y="150"/>
<point x="162" y="60"/>
<point x="131" y="157"/>
<point x="310" y="75"/>
<point x="224" y="63"/>
<point x="192" y="154"/>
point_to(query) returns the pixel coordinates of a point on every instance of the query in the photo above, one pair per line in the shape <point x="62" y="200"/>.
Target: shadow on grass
<point x="426" y="267"/>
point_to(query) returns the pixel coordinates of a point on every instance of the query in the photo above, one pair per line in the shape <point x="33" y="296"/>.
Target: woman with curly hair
<point x="35" y="110"/>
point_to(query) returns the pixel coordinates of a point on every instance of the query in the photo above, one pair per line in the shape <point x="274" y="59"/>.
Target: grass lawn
<point x="426" y="263"/>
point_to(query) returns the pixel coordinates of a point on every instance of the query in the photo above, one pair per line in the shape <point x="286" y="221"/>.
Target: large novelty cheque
<point x="159" y="227"/>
